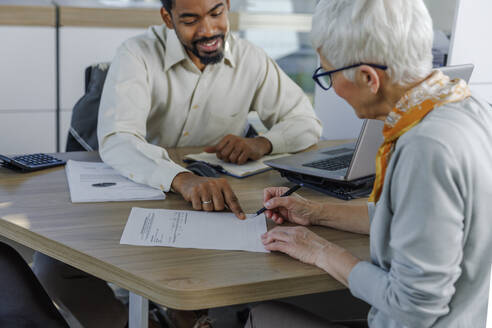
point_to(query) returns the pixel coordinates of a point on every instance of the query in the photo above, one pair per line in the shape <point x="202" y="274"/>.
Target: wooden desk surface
<point x="35" y="210"/>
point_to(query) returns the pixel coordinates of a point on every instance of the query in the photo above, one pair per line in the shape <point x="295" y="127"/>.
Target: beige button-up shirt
<point x="155" y="97"/>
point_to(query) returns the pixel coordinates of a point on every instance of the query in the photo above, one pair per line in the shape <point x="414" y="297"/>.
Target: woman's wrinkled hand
<point x="297" y="242"/>
<point x="294" y="209"/>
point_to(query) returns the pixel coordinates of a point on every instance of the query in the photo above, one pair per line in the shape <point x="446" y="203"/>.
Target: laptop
<point x="346" y="171"/>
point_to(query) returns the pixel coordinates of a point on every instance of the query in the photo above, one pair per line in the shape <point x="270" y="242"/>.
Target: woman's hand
<point x="295" y="208"/>
<point x="298" y="242"/>
<point x="306" y="246"/>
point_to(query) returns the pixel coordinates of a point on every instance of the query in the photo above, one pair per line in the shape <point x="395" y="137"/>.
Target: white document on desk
<point x="83" y="175"/>
<point x="191" y="229"/>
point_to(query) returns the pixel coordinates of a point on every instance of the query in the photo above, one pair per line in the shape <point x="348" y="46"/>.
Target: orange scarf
<point x="435" y="91"/>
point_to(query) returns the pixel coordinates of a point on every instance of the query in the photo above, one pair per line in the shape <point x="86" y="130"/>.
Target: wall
<point x="442" y="13"/>
<point x="470" y="43"/>
<point x="27" y="89"/>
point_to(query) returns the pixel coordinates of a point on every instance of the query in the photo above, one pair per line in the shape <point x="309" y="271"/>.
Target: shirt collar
<point x="175" y="52"/>
<point x="229" y="44"/>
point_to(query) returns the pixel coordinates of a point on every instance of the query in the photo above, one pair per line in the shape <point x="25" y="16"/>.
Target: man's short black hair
<point x="168" y="5"/>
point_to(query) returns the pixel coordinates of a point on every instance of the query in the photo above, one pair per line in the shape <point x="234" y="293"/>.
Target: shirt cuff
<point x="165" y="176"/>
<point x="277" y="140"/>
<point x="359" y="278"/>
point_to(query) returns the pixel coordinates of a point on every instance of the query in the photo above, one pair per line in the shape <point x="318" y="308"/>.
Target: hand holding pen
<point x="287" y="193"/>
<point x="281" y="208"/>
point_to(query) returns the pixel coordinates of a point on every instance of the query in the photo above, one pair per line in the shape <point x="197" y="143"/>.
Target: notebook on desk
<point x="235" y="170"/>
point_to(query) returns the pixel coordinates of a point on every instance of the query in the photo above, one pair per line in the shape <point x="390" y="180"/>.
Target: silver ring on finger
<point x="207" y="202"/>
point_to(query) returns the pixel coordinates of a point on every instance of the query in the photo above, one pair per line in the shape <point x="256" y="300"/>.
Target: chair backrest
<point x="82" y="135"/>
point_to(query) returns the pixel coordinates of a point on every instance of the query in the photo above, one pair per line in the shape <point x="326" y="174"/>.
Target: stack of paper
<point x="239" y="171"/>
<point x="98" y="182"/>
<point x="189" y="229"/>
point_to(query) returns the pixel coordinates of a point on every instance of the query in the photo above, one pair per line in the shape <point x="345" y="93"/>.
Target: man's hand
<point x="237" y="150"/>
<point x="207" y="194"/>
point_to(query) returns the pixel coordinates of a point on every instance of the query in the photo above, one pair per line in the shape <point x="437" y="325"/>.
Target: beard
<point x="207" y="58"/>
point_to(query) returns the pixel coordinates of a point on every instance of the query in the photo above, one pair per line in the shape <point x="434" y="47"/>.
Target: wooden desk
<point x="35" y="210"/>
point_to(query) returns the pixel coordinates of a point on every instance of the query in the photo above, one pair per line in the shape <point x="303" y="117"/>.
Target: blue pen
<point x="287" y="193"/>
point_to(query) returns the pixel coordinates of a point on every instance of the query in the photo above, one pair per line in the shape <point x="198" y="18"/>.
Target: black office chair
<point x="82" y="135"/>
<point x="24" y="302"/>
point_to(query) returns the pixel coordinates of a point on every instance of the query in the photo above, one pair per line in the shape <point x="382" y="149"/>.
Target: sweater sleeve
<point x="426" y="237"/>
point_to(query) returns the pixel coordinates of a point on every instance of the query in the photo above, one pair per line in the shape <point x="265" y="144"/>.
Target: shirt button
<point x="195" y="107"/>
<point x="185" y="134"/>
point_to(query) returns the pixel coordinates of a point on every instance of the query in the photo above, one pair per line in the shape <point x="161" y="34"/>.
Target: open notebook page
<point x="248" y="168"/>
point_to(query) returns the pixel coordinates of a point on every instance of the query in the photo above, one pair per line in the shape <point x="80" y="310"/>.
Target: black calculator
<point x="31" y="162"/>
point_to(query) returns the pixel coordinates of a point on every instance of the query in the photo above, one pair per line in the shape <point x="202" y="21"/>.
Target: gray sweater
<point x="431" y="230"/>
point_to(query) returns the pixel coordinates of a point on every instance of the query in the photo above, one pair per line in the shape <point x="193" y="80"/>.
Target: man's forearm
<point x="264" y="144"/>
<point x="137" y="160"/>
<point x="352" y="218"/>
<point x="179" y="180"/>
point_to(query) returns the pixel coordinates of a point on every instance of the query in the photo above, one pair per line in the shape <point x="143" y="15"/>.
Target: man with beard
<point x="191" y="83"/>
<point x="188" y="82"/>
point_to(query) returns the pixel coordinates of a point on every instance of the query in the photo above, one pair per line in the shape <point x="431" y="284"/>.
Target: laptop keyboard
<point x="331" y="164"/>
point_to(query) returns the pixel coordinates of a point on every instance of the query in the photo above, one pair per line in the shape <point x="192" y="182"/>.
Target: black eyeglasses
<point x="324" y="80"/>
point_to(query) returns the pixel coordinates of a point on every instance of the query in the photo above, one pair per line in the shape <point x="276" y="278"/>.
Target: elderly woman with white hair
<point x="429" y="216"/>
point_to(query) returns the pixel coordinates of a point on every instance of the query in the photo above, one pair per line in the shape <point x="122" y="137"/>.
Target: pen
<point x="104" y="184"/>
<point x="287" y="193"/>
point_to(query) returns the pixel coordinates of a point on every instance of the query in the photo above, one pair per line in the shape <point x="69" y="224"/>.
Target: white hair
<point x="395" y="33"/>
